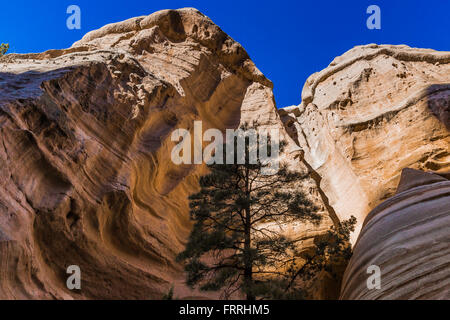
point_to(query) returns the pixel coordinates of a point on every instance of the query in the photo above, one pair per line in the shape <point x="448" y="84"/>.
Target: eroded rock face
<point x="86" y="176"/>
<point x="374" y="111"/>
<point x="408" y="238"/>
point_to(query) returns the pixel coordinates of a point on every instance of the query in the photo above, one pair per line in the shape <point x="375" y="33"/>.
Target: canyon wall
<point x="407" y="237"/>
<point x="86" y="177"/>
<point x="373" y="112"/>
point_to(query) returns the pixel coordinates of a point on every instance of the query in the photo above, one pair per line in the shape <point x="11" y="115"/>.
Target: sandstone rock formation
<point x="86" y="177"/>
<point x="408" y="238"/>
<point x="374" y="111"/>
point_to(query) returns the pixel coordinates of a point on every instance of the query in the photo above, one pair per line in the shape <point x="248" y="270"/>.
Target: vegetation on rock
<point x="237" y="242"/>
<point x="4" y="47"/>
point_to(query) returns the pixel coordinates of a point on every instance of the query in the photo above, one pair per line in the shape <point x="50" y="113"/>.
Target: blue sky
<point x="288" y="40"/>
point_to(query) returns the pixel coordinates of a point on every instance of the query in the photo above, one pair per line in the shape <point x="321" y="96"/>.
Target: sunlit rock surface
<point x="373" y="112"/>
<point x="86" y="173"/>
<point x="86" y="177"/>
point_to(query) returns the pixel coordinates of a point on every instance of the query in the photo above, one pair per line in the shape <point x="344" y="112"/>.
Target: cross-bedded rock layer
<point x="407" y="237"/>
<point x="86" y="177"/>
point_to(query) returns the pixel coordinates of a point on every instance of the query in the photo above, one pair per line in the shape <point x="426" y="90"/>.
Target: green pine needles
<point x="237" y="244"/>
<point x="4" y="47"/>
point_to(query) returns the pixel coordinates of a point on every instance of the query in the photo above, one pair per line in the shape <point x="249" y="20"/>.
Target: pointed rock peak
<point x="411" y="178"/>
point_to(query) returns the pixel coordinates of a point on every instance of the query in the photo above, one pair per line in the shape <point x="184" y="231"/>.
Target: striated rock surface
<point x="408" y="238"/>
<point x="86" y="176"/>
<point x="85" y="172"/>
<point x="374" y="111"/>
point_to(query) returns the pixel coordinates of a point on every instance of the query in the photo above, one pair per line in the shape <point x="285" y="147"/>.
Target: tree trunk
<point x="248" y="263"/>
<point x="248" y="272"/>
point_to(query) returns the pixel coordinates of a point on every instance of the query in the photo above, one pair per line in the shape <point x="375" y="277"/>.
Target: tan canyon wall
<point x="86" y="176"/>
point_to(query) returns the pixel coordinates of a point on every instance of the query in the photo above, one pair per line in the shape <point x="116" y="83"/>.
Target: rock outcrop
<point x="373" y="112"/>
<point x="408" y="238"/>
<point x="86" y="177"/>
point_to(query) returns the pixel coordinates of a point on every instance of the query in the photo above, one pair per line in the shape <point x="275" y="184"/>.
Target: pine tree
<point x="236" y="243"/>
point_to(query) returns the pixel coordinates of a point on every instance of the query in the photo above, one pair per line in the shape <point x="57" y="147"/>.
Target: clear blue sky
<point x="288" y="40"/>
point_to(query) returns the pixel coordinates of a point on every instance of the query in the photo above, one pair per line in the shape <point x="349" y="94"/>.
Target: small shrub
<point x="3" y="48"/>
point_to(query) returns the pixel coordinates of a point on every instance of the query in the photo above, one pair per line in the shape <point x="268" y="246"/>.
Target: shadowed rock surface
<point x="86" y="177"/>
<point x="408" y="237"/>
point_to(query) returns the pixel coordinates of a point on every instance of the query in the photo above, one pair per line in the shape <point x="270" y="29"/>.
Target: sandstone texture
<point x="408" y="238"/>
<point x="373" y="112"/>
<point x="86" y="176"/>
